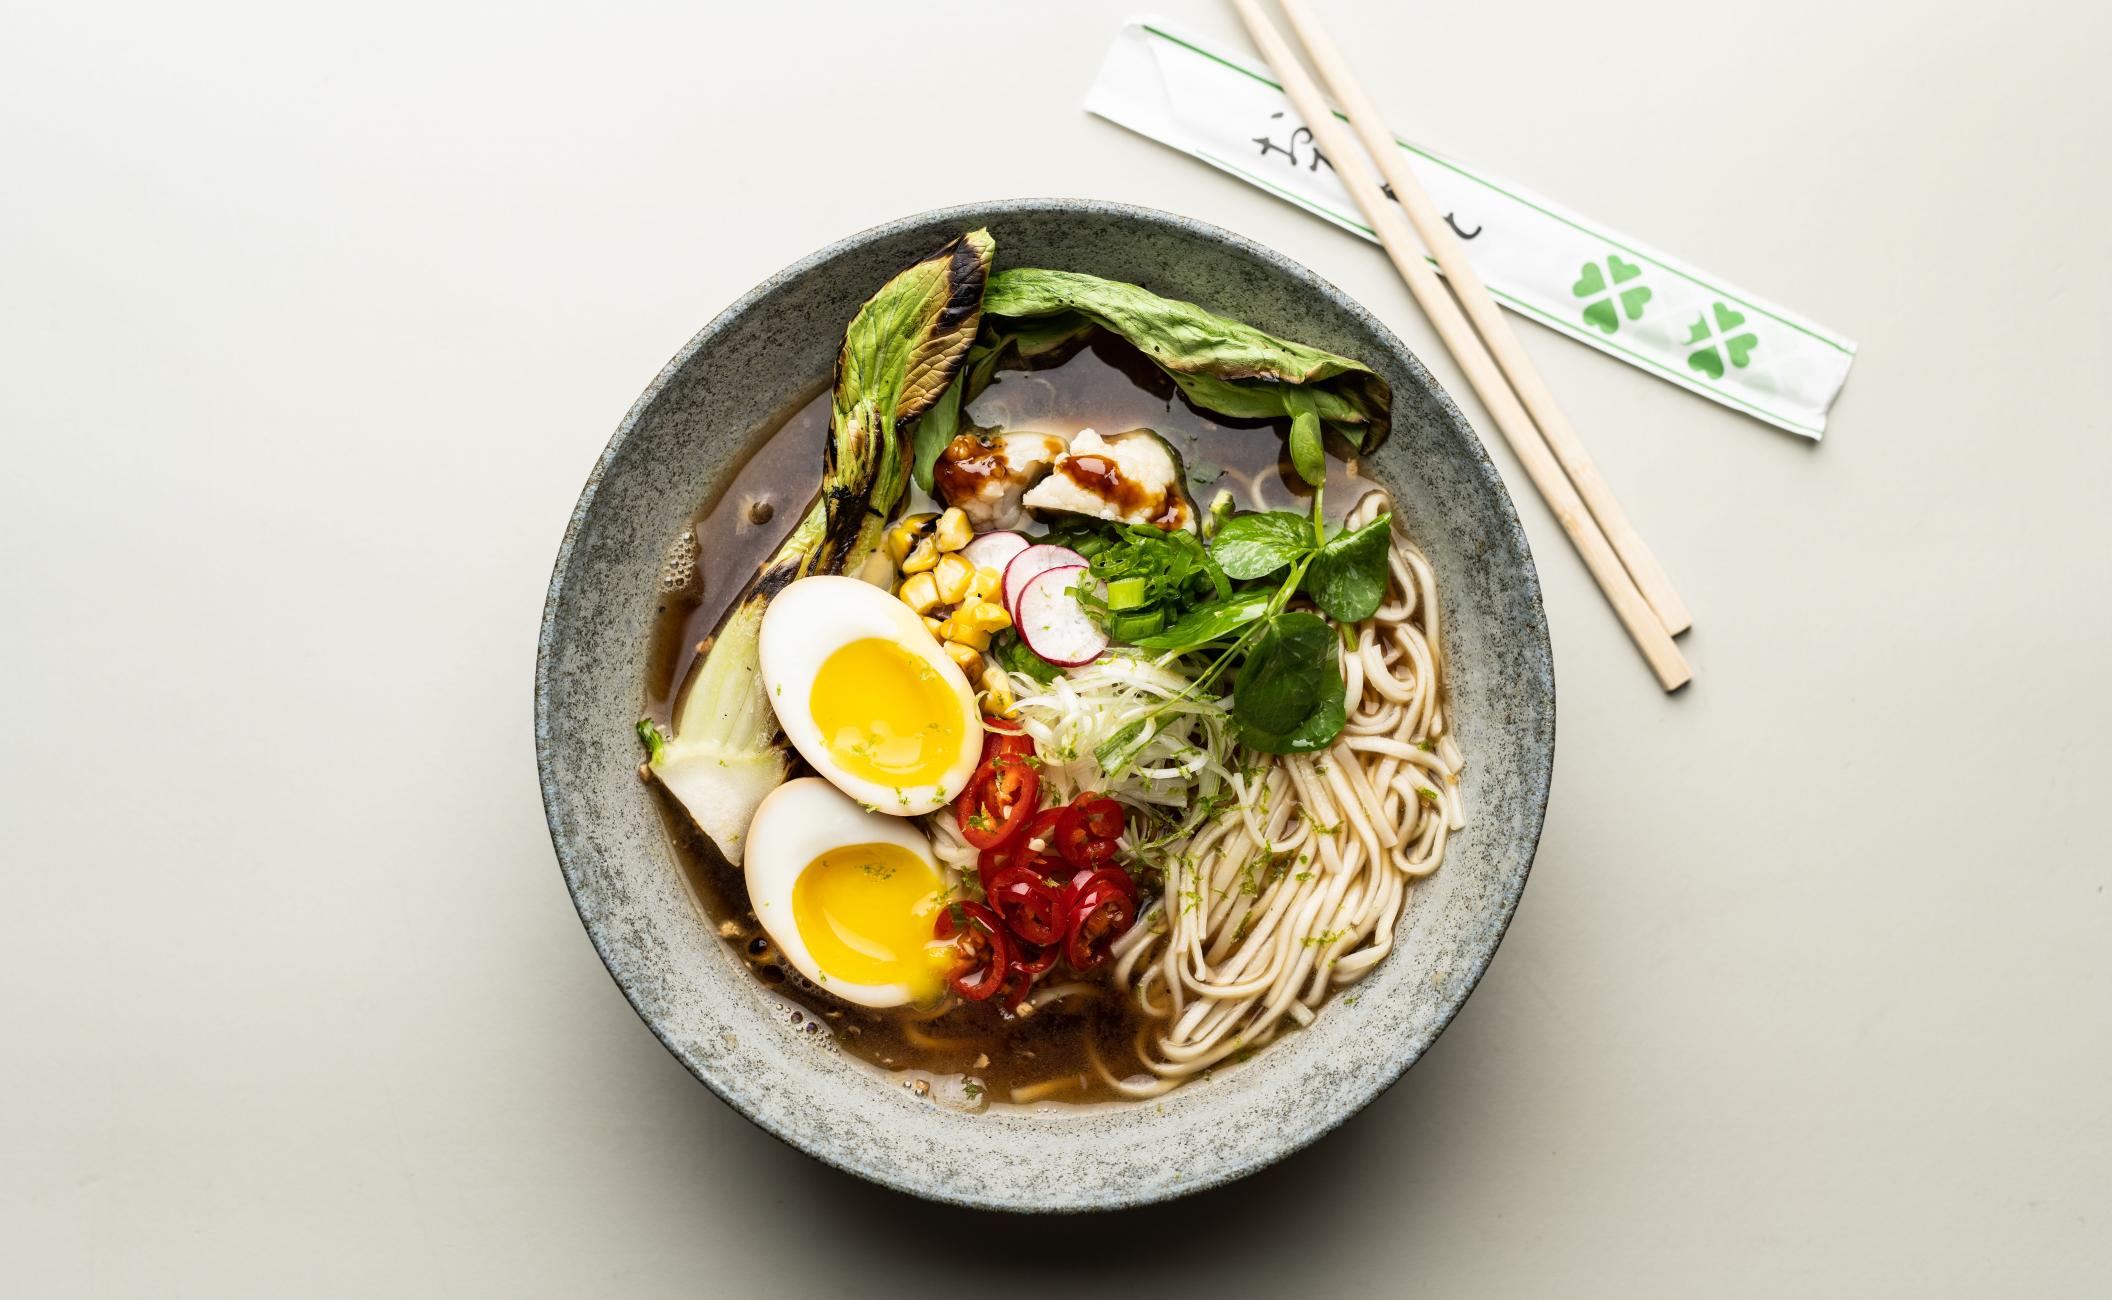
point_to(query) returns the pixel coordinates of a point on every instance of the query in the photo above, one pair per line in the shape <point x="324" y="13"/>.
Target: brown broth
<point x="776" y="484"/>
<point x="970" y="1054"/>
<point x="1111" y="387"/>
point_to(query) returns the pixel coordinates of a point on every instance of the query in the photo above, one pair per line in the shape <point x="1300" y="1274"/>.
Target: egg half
<point x="866" y="695"/>
<point x="849" y="896"/>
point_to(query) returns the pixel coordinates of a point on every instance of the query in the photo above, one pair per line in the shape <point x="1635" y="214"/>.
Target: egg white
<point x="813" y="618"/>
<point x="799" y="821"/>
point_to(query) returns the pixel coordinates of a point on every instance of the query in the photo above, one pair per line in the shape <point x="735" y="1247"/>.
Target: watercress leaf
<point x="1209" y="622"/>
<point x="1347" y="578"/>
<point x="1257" y="545"/>
<point x="1013" y="656"/>
<point x="1288" y="670"/>
<point x="1316" y="731"/>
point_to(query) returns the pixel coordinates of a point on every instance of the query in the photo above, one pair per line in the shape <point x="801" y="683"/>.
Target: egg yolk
<point x="886" y="715"/>
<point x="866" y="913"/>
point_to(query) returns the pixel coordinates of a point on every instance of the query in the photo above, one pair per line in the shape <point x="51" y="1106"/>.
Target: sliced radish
<point x="994" y="550"/>
<point x="1031" y="564"/>
<point x="1052" y="621"/>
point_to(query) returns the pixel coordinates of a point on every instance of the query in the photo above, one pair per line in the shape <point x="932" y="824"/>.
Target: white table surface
<point x="312" y="323"/>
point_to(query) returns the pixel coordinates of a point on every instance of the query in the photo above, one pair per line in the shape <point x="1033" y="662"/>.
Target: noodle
<point x="1295" y="890"/>
<point x="1048" y="1088"/>
<point x="1292" y="887"/>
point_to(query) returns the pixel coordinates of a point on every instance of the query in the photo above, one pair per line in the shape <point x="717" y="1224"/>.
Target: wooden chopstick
<point x="1401" y="245"/>
<point x="1488" y="320"/>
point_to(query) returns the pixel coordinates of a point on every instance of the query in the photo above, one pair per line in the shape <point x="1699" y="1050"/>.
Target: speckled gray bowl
<point x="690" y="428"/>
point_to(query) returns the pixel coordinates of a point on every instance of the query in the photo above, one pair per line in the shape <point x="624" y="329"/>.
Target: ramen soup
<point x="1072" y="726"/>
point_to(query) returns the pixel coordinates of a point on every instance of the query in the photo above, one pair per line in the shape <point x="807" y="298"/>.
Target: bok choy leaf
<point x="899" y="356"/>
<point x="1222" y="365"/>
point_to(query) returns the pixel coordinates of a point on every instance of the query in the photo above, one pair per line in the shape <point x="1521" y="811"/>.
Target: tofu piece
<point x="1132" y="478"/>
<point x="986" y="474"/>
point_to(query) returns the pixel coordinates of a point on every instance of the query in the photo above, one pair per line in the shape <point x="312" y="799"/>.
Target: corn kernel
<point x="997" y="691"/>
<point x="933" y="625"/>
<point x="954" y="574"/>
<point x="986" y="583"/>
<point x="904" y="535"/>
<point x="959" y="627"/>
<point x="983" y="616"/>
<point x="922" y="558"/>
<point x="920" y="592"/>
<point x="972" y="637"/>
<point x="954" y="532"/>
<point x="968" y="658"/>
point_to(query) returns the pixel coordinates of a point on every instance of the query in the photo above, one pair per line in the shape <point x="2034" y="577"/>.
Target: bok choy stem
<point x="899" y="355"/>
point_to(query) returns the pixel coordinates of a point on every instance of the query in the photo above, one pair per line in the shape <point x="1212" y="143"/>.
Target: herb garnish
<point x="1288" y="696"/>
<point x="1145" y="576"/>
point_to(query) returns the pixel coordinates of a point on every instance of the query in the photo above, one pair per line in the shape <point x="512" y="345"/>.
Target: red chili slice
<point x="1020" y="852"/>
<point x="1006" y="732"/>
<point x="983" y="955"/>
<point x="1102" y="914"/>
<point x="1029" y="963"/>
<point x="1085" y="878"/>
<point x="1026" y="901"/>
<point x="1073" y="881"/>
<point x="1003" y="737"/>
<point x="1034" y="961"/>
<point x="1042" y="829"/>
<point x="1068" y="837"/>
<point x="1002" y="795"/>
<point x="1088" y="829"/>
<point x="1102" y="816"/>
<point x="991" y="861"/>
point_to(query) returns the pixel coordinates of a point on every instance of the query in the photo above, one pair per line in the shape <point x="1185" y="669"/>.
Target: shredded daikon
<point x="1180" y="773"/>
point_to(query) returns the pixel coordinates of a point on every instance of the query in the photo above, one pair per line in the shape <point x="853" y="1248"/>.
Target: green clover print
<point x="1603" y="289"/>
<point x="1719" y="342"/>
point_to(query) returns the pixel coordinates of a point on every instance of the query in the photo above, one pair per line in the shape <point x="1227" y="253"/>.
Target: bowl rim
<point x="968" y="216"/>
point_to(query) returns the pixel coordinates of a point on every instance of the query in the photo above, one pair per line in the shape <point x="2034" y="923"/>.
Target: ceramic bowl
<point x="689" y="429"/>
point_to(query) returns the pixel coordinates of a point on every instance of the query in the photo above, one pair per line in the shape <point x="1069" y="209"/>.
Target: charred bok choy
<point x="1221" y="365"/>
<point x="900" y="354"/>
